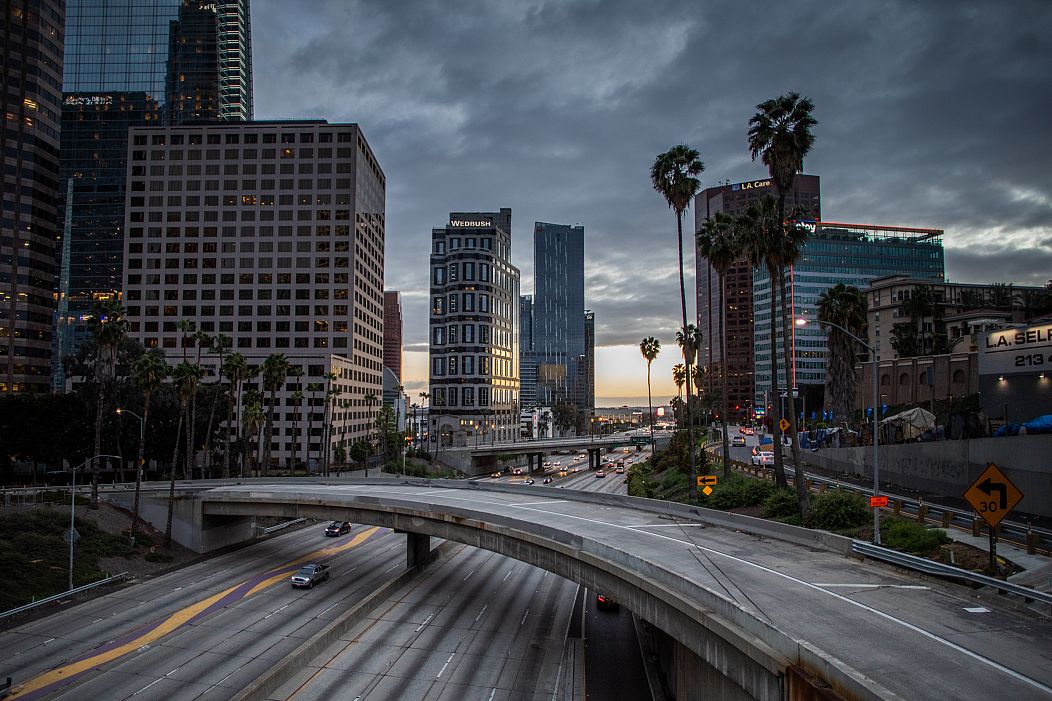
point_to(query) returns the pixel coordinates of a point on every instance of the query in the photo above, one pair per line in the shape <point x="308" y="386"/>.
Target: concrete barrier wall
<point x="949" y="467"/>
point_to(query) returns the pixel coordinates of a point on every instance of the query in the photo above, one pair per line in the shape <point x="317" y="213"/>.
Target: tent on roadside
<point x="909" y="425"/>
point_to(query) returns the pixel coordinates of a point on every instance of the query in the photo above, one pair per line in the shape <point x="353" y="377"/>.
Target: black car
<point x="605" y="603"/>
<point x="338" y="528"/>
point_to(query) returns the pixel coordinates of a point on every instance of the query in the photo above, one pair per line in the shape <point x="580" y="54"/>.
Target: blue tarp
<point x="1042" y="424"/>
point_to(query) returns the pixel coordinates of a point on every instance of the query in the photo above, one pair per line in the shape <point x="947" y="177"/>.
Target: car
<point x="338" y="528"/>
<point x="547" y="463"/>
<point x="309" y="575"/>
<point x="748" y="431"/>
<point x="606" y="603"/>
<point x="517" y="471"/>
<point x="738" y="440"/>
<point x="557" y="463"/>
<point x="600" y="473"/>
<point x="495" y="475"/>
<point x="547" y="480"/>
<point x="528" y="480"/>
<point x="763" y="458"/>
<point x="576" y="469"/>
<point x="620" y="469"/>
<point x="741" y="430"/>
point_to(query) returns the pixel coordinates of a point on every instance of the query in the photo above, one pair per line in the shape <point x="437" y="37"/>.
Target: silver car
<point x="309" y="575"/>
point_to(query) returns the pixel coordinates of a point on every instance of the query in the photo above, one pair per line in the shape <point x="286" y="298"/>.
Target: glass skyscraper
<point x="558" y="334"/>
<point x="31" y="56"/>
<point x="852" y="254"/>
<point x="142" y="63"/>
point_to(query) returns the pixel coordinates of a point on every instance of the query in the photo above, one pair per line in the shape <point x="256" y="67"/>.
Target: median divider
<point x="261" y="688"/>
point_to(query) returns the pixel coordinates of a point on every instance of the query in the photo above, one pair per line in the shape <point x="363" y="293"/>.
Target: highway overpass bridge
<point x="745" y="608"/>
<point x="485" y="457"/>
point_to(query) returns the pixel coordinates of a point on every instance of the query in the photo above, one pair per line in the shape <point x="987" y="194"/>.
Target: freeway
<point x="918" y="638"/>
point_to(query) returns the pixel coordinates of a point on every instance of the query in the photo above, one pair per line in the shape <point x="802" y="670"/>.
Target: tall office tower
<point x="474" y="369"/>
<point x="586" y="370"/>
<point x="852" y="254"/>
<point x="132" y="64"/>
<point x="29" y="143"/>
<point x="393" y="333"/>
<point x="272" y="234"/>
<point x="527" y="358"/>
<point x="558" y="315"/>
<point x="738" y="308"/>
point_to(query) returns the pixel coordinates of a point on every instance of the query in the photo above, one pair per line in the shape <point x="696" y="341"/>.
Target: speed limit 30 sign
<point x="993" y="495"/>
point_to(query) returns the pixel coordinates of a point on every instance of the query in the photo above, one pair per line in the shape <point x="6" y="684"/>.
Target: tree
<point x="845" y="306"/>
<point x="296" y="371"/>
<point x="650" y="347"/>
<point x="253" y="418"/>
<point x="758" y="228"/>
<point x="399" y="397"/>
<point x="780" y="134"/>
<point x="236" y="369"/>
<point x="565" y="416"/>
<point x="673" y="175"/>
<point x="275" y="371"/>
<point x="219" y="345"/>
<point x="312" y="388"/>
<point x="1003" y="296"/>
<point x="109" y="327"/>
<point x="679" y="377"/>
<point x="150" y="372"/>
<point x="424" y="396"/>
<point x="717" y="242"/>
<point x="186" y="377"/>
<point x="371" y="400"/>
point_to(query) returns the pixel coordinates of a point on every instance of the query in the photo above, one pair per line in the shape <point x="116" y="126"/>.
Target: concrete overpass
<point x="751" y="610"/>
<point x="485" y="457"/>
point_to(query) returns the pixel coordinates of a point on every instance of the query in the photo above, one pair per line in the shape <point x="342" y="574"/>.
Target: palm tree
<point x="780" y="134"/>
<point x="275" y="371"/>
<point x="424" y="396"/>
<point x="109" y="327"/>
<point x="236" y="370"/>
<point x="399" y="394"/>
<point x="673" y="175"/>
<point x="717" y="242"/>
<point x="370" y="400"/>
<point x="679" y="377"/>
<point x="650" y="347"/>
<point x="219" y="344"/>
<point x="149" y="371"/>
<point x="758" y="228"/>
<point x="689" y="341"/>
<point x="332" y="391"/>
<point x="296" y="371"/>
<point x="312" y="388"/>
<point x="845" y="306"/>
<point x="186" y="377"/>
<point x="253" y="418"/>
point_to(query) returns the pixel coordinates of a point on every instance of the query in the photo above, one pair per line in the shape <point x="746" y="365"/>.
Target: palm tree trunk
<point x="94" y="503"/>
<point x="310" y="426"/>
<point x="650" y="408"/>
<point x="268" y="430"/>
<point x="723" y="378"/>
<point x="139" y="464"/>
<point x="208" y="437"/>
<point x="692" y="488"/>
<point x="800" y="481"/>
<point x="171" y="482"/>
<point x="229" y="417"/>
<point x="188" y="466"/>
<point x="776" y="401"/>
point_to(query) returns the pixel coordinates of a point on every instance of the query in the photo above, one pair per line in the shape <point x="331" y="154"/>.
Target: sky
<point x="933" y="114"/>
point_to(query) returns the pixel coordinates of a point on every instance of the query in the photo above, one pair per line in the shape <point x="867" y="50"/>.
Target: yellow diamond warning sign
<point x="993" y="495"/>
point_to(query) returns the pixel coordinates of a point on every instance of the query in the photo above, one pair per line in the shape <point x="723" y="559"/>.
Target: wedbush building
<point x="474" y="331"/>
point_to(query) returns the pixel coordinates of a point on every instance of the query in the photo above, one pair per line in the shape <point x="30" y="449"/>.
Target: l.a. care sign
<point x="1024" y="349"/>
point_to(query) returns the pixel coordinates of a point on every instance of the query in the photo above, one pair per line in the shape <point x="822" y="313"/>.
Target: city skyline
<point x="568" y="134"/>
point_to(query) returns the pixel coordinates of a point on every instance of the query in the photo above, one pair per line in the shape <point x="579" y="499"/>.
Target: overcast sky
<point x="933" y="114"/>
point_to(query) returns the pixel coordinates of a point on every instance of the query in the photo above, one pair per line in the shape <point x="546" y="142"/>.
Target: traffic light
<point x="408" y="440"/>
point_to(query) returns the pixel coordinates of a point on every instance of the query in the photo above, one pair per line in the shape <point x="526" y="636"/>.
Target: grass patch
<point x="911" y="537"/>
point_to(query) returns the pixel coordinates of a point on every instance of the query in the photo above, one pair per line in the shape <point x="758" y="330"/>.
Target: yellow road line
<point x="173" y="622"/>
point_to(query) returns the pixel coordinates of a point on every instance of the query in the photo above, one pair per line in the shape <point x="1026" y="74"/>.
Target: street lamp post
<point x="73" y="509"/>
<point x="876" y="419"/>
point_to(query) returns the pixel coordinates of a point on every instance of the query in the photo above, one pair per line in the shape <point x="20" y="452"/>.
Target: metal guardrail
<point x="69" y="592"/>
<point x="271" y="529"/>
<point x="939" y="569"/>
<point x="5" y="689"/>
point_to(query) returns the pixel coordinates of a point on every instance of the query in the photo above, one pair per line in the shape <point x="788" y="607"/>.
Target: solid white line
<point x="330" y="608"/>
<point x="535" y="503"/>
<point x="47" y="641"/>
<point x="349" y="571"/>
<point x="147" y="687"/>
<point x="469" y="575"/>
<point x="395" y="567"/>
<point x="667" y="525"/>
<point x="874" y="586"/>
<point x="492" y="693"/>
<point x="421" y="626"/>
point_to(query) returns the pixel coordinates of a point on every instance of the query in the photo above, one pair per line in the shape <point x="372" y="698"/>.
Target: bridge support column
<point x="418" y="549"/>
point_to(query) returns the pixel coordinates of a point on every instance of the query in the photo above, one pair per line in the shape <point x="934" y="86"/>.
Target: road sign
<point x="67" y="537"/>
<point x="878" y="502"/>
<point x="993" y="495"/>
<point x="784" y="425"/>
<point x="706" y="482"/>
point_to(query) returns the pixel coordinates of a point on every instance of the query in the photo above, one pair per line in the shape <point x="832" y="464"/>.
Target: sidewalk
<point x="1037" y="569"/>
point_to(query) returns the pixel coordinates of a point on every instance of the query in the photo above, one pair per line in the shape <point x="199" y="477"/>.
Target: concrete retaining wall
<point x="949" y="467"/>
<point x="190" y="527"/>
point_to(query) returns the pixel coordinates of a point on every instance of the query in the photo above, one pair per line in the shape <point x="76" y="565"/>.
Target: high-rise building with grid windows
<point x="474" y="350"/>
<point x="129" y="64"/>
<point x="31" y="53"/>
<point x="272" y="234"/>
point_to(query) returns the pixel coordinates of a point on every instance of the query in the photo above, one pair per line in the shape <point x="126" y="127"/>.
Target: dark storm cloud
<point x="930" y="114"/>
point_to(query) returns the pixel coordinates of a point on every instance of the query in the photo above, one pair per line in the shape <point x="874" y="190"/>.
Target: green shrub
<point x="673" y="485"/>
<point x="838" y="511"/>
<point x="640" y="480"/>
<point x="158" y="556"/>
<point x="780" y="504"/>
<point x="911" y="537"/>
<point x="738" y="491"/>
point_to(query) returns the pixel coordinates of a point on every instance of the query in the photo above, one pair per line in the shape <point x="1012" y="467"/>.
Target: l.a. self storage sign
<point x="1020" y="350"/>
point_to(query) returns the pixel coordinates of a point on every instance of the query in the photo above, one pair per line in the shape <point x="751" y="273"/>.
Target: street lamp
<point x="876" y="415"/>
<point x="73" y="508"/>
<point x="142" y="431"/>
